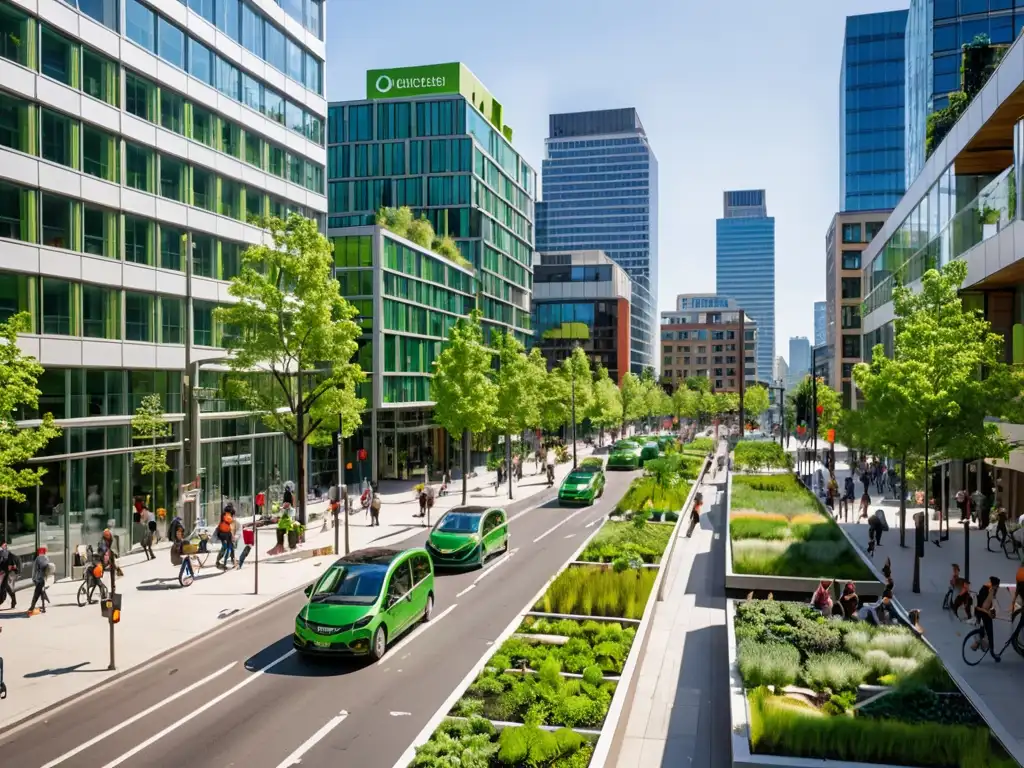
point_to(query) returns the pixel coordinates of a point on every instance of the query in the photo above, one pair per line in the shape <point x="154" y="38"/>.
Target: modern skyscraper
<point x="936" y="30"/>
<point x="799" y="360"/>
<point x="745" y="266"/>
<point x="820" y="322"/>
<point x="128" y="129"/>
<point x="600" y="189"/>
<point x="434" y="139"/>
<point x="871" y="97"/>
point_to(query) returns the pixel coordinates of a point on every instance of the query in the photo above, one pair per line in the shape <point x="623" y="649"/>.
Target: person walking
<point x="430" y="499"/>
<point x="695" y="514"/>
<point x="849" y="492"/>
<point x="225" y="536"/>
<point x="9" y="567"/>
<point x="375" y="510"/>
<point x="40" y="569"/>
<point x="148" y="524"/>
<point x="865" y="502"/>
<point x="550" y="462"/>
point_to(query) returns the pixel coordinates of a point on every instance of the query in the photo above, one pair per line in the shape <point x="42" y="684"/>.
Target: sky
<point x="733" y="94"/>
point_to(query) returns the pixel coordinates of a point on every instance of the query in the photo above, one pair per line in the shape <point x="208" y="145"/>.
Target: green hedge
<point x="755" y="456"/>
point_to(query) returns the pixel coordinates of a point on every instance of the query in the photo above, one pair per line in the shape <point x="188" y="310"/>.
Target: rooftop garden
<point x="403" y="223"/>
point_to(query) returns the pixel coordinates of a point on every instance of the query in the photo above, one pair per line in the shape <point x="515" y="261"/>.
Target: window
<point x="420" y="568"/>
<point x="276" y="157"/>
<point x="99" y="312"/>
<point x="202" y="125"/>
<point x="401" y="582"/>
<point x="312" y="73"/>
<point x="851" y="233"/>
<point x="274" y="43"/>
<point x="56" y="301"/>
<point x="253" y="150"/>
<point x="252" y="30"/>
<point x="273" y="105"/>
<point x="99" y="153"/>
<point x="99" y="231"/>
<point x="294" y="53"/>
<point x="170" y="43"/>
<point x="140" y="25"/>
<point x="13" y="222"/>
<point x="253" y="203"/>
<point x="103" y="11"/>
<point x="139" y="167"/>
<point x="230" y="139"/>
<point x="851" y="317"/>
<point x="56" y="138"/>
<point x="14" y="123"/>
<point x="294" y="116"/>
<point x="172" y="111"/>
<point x="203" y="189"/>
<point x="100" y="77"/>
<point x="230" y="198"/>
<point x="228" y="15"/>
<point x="851" y="259"/>
<point x="314" y="17"/>
<point x="851" y="345"/>
<point x="173" y="173"/>
<point x="295" y="169"/>
<point x="138" y="240"/>
<point x="138" y="316"/>
<point x="252" y="93"/>
<point x="204" y="255"/>
<point x="57" y="218"/>
<point x="227" y="78"/>
<point x="171" y="247"/>
<point x="140" y="97"/>
<point x="202" y="323"/>
<point x="200" y="61"/>
<point x="230" y="260"/>
<point x="204" y="8"/>
<point x="851" y="288"/>
<point x="172" y="317"/>
<point x="56" y="53"/>
<point x="14" y="37"/>
<point x="872" y="228"/>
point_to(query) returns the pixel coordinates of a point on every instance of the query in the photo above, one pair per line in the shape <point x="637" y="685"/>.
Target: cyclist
<point x="985" y="610"/>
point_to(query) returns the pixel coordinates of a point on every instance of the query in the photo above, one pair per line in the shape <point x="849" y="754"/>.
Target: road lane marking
<point x="592" y="523"/>
<point x="401" y="714"/>
<point x="417" y="632"/>
<point x="467" y="589"/>
<point x="198" y="711"/>
<point x="135" y="718"/>
<point x="296" y="757"/>
<point x="569" y="535"/>
<point x="558" y="525"/>
<point x="503" y="559"/>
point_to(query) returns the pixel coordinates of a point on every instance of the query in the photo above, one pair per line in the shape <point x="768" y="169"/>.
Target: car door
<point x="496" y="535"/>
<point x="399" y="600"/>
<point x="487" y="526"/>
<point x="421" y="582"/>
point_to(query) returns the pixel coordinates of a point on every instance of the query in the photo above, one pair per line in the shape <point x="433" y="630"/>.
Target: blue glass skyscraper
<point x="745" y="266"/>
<point x="871" y="98"/>
<point x="599" y="181"/>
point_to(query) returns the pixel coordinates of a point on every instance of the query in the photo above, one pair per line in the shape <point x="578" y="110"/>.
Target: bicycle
<point x="976" y="637"/>
<point x="90" y="584"/>
<point x="197" y="555"/>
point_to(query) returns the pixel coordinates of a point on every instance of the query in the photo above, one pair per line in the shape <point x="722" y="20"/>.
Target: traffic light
<point x="115" y="617"/>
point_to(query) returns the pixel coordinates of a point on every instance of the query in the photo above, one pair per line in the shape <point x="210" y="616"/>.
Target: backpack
<point x="225" y="523"/>
<point x="375" y="504"/>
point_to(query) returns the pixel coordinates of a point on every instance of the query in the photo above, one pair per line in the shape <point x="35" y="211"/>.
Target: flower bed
<point x="615" y="540"/>
<point x="867" y="694"/>
<point x="476" y="743"/>
<point x="776" y="529"/>
<point x="756" y="456"/>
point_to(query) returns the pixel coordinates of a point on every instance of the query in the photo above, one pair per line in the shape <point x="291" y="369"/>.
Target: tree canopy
<point x="755" y="402"/>
<point x="149" y="426"/>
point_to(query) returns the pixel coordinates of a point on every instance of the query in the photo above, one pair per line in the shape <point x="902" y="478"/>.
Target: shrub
<point x="756" y="456"/>
<point x="648" y="542"/>
<point x="774" y="664"/>
<point x="786" y="557"/>
<point x="457" y="742"/>
<point x="529" y="745"/>
<point x="701" y="444"/>
<point x="599" y="592"/>
<point x="916" y="704"/>
<point x="834" y="671"/>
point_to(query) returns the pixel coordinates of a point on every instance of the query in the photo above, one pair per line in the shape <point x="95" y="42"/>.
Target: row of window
<point x="409" y="319"/>
<point x="63" y="308"/>
<point x="407" y="289"/>
<point x="347" y="161"/>
<point x="1000" y="30"/>
<point x="412" y="263"/>
<point x="852" y="233"/>
<point x="239" y="21"/>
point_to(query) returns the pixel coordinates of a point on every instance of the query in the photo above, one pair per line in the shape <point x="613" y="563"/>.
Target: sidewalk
<point x="65" y="651"/>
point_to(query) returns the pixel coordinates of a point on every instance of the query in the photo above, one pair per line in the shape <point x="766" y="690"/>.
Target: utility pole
<point x="814" y="399"/>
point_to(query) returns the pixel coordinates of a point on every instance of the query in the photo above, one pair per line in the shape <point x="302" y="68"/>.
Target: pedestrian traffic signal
<point x="115" y="617"/>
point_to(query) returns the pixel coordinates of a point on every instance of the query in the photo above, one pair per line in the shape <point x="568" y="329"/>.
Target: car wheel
<point x="428" y="612"/>
<point x="380" y="643"/>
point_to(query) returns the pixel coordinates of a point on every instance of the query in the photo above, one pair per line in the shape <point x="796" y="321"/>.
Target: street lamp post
<point x="814" y="398"/>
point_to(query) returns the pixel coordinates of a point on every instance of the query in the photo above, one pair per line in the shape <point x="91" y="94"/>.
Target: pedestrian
<point x="876" y="525"/>
<point x="914" y="616"/>
<point x="375" y="510"/>
<point x="694" y="516"/>
<point x="224" y="535"/>
<point x="430" y="499"/>
<point x="40" y="569"/>
<point x="423" y="499"/>
<point x="865" y="502"/>
<point x="985" y="611"/>
<point x="9" y="567"/>
<point x="176" y="533"/>
<point x="821" y="600"/>
<point x="148" y="529"/>
<point x="865" y="480"/>
<point x="849" y="601"/>
<point x="236" y="535"/>
<point x="848" y="497"/>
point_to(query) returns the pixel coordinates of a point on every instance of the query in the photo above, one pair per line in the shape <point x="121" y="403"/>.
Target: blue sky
<point x="733" y="94"/>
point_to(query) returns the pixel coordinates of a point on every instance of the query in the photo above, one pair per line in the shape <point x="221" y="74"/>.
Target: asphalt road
<point x="219" y="703"/>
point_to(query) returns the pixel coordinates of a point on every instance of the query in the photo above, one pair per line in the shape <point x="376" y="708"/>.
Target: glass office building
<point x="745" y="266"/>
<point x="871" y="97"/>
<point x="432" y="138"/>
<point x="600" y="188"/>
<point x="936" y="30"/>
<point x="820" y="322"/>
<point x="125" y="126"/>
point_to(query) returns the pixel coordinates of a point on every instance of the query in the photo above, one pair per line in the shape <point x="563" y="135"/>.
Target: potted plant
<point x="988" y="217"/>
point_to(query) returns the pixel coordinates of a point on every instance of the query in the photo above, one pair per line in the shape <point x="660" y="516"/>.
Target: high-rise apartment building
<point x="799" y="361"/>
<point x="820" y="322"/>
<point x="936" y="31"/>
<point x="128" y="129"/>
<point x="745" y="266"/>
<point x="600" y="189"/>
<point x="871" y="112"/>
<point x="434" y="139"/>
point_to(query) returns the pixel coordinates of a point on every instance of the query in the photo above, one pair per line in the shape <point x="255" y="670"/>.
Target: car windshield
<point x="459" y="522"/>
<point x="350" y="585"/>
<point x="579" y="477"/>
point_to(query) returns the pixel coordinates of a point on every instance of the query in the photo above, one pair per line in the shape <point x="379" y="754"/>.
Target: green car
<point x="650" y="451"/>
<point x="466" y="536"/>
<point x="625" y="455"/>
<point x="581" y="486"/>
<point x="364" y="601"/>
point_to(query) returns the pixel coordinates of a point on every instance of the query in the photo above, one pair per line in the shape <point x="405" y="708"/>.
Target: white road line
<point x="296" y="757"/>
<point x="417" y="632"/>
<point x="198" y="711"/>
<point x="569" y="535"/>
<point x="592" y="523"/>
<point x="467" y="589"/>
<point x="503" y="559"/>
<point x="135" y="718"/>
<point x="401" y="714"/>
<point x="558" y="525"/>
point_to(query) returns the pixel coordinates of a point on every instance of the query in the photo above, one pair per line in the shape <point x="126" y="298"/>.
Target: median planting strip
<point x="552" y="692"/>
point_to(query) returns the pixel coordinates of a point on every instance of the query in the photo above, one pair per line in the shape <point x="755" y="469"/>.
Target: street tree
<point x="755" y="402"/>
<point x="606" y="409"/>
<point x="19" y="397"/>
<point x="293" y="340"/>
<point x="631" y="398"/>
<point x="575" y="369"/>
<point x="684" y="403"/>
<point x="148" y="427"/>
<point x="800" y="405"/>
<point x="698" y="383"/>
<point x="464" y="393"/>
<point x="518" y="383"/>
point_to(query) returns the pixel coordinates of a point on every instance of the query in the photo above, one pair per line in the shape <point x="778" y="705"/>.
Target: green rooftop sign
<point x="413" y="81"/>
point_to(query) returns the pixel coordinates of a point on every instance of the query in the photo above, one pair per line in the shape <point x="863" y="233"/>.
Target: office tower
<point x="434" y="139"/>
<point x="600" y="189"/>
<point x="871" y="112"/>
<point x="781" y="370"/>
<point x="799" y="361"/>
<point x="820" y="323"/>
<point x="127" y="130"/>
<point x="745" y="266"/>
<point x="936" y="31"/>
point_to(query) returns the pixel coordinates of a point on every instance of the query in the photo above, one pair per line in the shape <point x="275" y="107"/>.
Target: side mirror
<point x="308" y="590"/>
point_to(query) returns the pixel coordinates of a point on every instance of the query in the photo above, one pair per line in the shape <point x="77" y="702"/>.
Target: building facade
<point x="582" y="299"/>
<point x="600" y="188"/>
<point x="128" y="129"/>
<point x="847" y="237"/>
<point x="820" y="322"/>
<point x="745" y="266"/>
<point x="871" y="111"/>
<point x="799" y="360"/>
<point x="781" y="371"/>
<point x="434" y="139"/>
<point x="708" y="336"/>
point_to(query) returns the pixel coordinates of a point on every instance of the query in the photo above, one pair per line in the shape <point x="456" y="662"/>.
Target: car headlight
<point x="301" y="622"/>
<point x="365" y="621"/>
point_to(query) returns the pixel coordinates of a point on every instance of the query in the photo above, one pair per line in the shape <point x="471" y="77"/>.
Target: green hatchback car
<point x="625" y="455"/>
<point x="581" y="486"/>
<point x="364" y="601"/>
<point x="467" y="536"/>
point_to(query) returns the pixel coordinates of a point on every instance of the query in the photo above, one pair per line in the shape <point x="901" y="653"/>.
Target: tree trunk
<point x="508" y="461"/>
<point x="300" y="482"/>
<point x="903" y="500"/>
<point x="465" y="464"/>
<point x="927" y="483"/>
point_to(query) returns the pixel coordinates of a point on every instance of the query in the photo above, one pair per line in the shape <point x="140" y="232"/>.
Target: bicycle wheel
<point x="947" y="601"/>
<point x="185" y="578"/>
<point x="1009" y="547"/>
<point x="973" y="656"/>
<point x="82" y="595"/>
